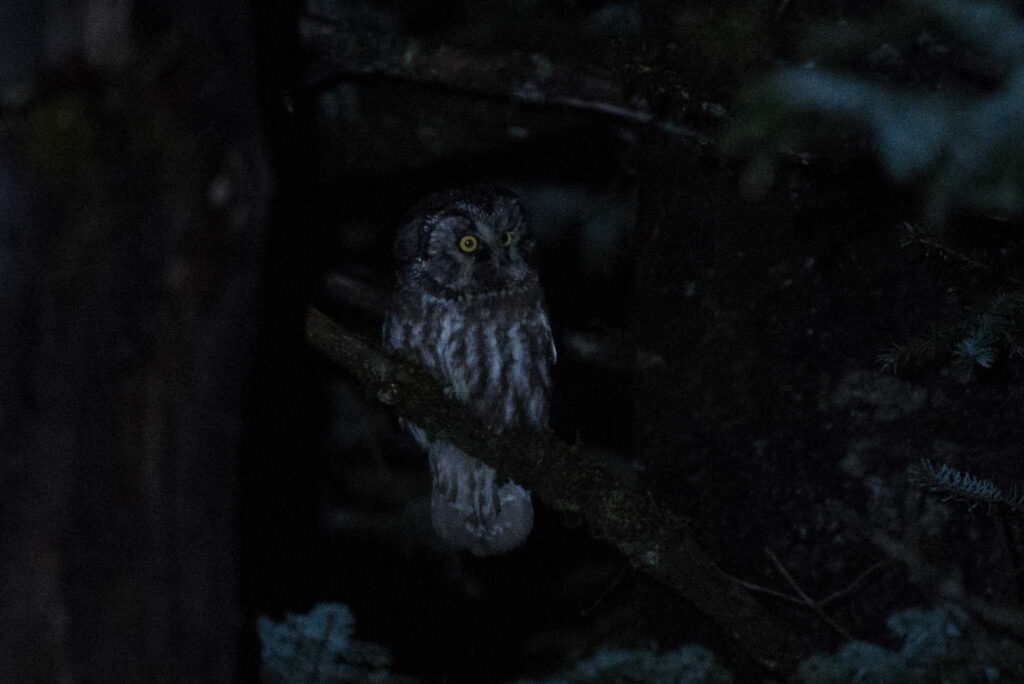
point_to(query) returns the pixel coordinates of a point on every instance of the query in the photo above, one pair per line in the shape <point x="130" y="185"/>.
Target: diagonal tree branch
<point x="655" y="540"/>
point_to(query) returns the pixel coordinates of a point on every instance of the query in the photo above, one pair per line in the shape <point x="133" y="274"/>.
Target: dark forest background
<point x="781" y="245"/>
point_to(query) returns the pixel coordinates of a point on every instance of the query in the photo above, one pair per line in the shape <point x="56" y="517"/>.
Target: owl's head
<point x="466" y="242"/>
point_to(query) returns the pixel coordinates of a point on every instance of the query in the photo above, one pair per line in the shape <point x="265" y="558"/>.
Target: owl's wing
<point x="550" y="348"/>
<point x="390" y="331"/>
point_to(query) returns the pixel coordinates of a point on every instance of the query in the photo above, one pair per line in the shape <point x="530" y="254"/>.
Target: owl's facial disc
<point x="473" y="252"/>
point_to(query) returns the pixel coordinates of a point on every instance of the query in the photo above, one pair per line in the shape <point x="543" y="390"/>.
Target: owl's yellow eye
<point x="508" y="238"/>
<point x="468" y="243"/>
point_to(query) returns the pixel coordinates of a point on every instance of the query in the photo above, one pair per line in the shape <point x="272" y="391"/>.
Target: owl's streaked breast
<point x="494" y="352"/>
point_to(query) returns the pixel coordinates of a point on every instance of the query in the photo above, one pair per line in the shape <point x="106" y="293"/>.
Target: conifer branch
<point x="960" y="485"/>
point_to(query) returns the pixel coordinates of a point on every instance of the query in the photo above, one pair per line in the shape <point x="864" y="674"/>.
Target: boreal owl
<point x="468" y="306"/>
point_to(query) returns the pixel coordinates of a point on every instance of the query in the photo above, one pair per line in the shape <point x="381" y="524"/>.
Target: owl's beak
<point x="488" y="274"/>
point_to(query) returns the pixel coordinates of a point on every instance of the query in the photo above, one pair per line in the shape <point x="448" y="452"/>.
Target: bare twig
<point x="942" y="585"/>
<point x="849" y="588"/>
<point x="607" y="591"/>
<point x="809" y="602"/>
<point x="761" y="589"/>
<point x="655" y="540"/>
<point x="802" y="602"/>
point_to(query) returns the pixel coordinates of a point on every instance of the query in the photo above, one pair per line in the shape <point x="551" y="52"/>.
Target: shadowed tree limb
<point x="520" y="77"/>
<point x="656" y="541"/>
<point x="341" y="52"/>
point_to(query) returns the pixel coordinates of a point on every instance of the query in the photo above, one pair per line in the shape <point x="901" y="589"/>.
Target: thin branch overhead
<point x="529" y="79"/>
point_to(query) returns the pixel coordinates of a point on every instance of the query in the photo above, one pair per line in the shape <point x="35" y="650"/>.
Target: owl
<point x="469" y="307"/>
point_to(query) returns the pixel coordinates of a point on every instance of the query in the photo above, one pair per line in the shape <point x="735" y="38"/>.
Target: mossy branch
<point x="656" y="541"/>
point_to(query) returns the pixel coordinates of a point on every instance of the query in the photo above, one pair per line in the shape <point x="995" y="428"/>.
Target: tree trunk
<point x="134" y="190"/>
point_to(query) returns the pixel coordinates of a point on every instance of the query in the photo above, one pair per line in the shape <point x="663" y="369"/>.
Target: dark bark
<point x="138" y="259"/>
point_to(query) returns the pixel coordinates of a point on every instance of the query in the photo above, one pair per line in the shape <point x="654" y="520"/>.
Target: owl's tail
<point x="470" y="510"/>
